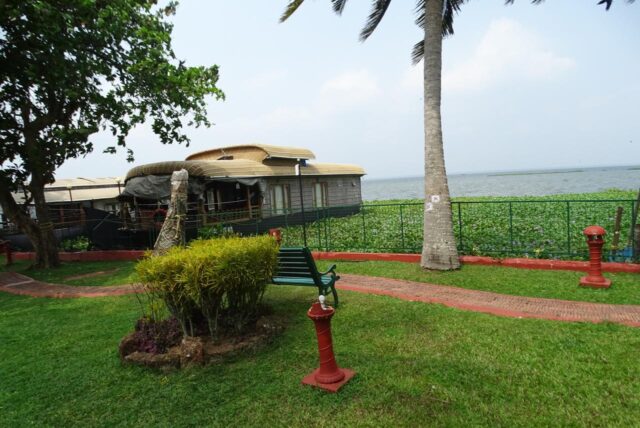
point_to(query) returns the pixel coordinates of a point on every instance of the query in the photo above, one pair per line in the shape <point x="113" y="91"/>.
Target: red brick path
<point x="455" y="297"/>
<point x="16" y="283"/>
<point x="493" y="303"/>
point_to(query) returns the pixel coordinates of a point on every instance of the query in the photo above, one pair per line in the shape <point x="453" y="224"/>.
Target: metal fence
<point x="502" y="228"/>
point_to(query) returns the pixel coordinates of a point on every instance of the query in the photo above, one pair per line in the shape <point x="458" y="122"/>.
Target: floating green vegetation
<point x="540" y="227"/>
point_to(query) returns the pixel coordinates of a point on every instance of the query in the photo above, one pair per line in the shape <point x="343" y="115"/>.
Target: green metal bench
<point x="297" y="267"/>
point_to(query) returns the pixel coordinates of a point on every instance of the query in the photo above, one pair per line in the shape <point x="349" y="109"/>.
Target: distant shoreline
<point x="517" y="173"/>
<point x="513" y="184"/>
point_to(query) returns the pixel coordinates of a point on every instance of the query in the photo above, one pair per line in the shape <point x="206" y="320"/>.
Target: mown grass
<point x="519" y="282"/>
<point x="417" y="365"/>
<point x="504" y="280"/>
<point x="540" y="227"/>
<point x="115" y="272"/>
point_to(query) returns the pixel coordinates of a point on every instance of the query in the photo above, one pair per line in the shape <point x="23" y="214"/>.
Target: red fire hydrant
<point x="329" y="376"/>
<point x="277" y="234"/>
<point x="595" y="241"/>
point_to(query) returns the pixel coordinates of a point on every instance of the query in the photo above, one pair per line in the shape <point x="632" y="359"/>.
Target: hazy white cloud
<point x="349" y="89"/>
<point x="280" y="117"/>
<point x="346" y="90"/>
<point x="507" y="50"/>
<point x="412" y="79"/>
<point x="266" y="79"/>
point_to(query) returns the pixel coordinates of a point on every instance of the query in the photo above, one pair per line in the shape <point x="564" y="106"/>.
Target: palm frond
<point x="377" y="12"/>
<point x="450" y="8"/>
<point x="418" y="52"/>
<point x="291" y="8"/>
<point x="338" y="5"/>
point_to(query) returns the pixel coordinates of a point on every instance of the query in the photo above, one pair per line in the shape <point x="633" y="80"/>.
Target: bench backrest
<point x="297" y="262"/>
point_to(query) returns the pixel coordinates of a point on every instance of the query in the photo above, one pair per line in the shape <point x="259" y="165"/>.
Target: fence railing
<point x="502" y="228"/>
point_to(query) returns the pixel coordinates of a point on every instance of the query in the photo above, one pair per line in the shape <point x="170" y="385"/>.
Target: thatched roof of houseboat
<point x="241" y="168"/>
<point x="80" y="189"/>
<point x="256" y="152"/>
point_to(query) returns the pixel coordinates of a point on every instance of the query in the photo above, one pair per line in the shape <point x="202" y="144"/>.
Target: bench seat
<point x="297" y="267"/>
<point x="288" y="280"/>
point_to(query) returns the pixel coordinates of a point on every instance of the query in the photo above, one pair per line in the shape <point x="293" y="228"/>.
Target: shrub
<point x="80" y="243"/>
<point x="218" y="280"/>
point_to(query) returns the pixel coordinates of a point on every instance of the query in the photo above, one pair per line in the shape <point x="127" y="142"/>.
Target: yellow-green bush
<point x="221" y="280"/>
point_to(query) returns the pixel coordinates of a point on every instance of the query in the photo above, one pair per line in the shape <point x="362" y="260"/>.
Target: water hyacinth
<point x="491" y="226"/>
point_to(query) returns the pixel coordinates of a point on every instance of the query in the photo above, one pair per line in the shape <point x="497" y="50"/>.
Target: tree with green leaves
<point x="435" y="18"/>
<point x="71" y="68"/>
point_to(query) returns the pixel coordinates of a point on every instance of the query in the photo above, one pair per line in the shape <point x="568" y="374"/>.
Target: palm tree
<point x="435" y="17"/>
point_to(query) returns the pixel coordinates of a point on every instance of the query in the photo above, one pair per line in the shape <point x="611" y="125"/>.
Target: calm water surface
<point x="521" y="183"/>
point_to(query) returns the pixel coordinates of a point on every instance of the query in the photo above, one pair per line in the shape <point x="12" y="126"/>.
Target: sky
<point x="524" y="86"/>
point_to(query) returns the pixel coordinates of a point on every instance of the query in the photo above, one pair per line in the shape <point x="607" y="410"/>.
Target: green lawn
<point x="417" y="364"/>
<point x="519" y="282"/>
<point x="115" y="273"/>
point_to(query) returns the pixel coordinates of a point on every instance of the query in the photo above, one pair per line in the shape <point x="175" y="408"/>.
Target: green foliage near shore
<point x="220" y="280"/>
<point x="538" y="227"/>
<point x="416" y="364"/>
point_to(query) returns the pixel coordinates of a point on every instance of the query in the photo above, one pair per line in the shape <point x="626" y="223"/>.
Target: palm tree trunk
<point x="439" y="246"/>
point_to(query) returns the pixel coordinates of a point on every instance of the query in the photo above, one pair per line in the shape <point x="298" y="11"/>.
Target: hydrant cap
<point x="594" y="231"/>
<point x="316" y="310"/>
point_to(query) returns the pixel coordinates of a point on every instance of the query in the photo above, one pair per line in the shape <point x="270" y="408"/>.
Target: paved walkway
<point x="493" y="303"/>
<point x="455" y="297"/>
<point x="16" y="283"/>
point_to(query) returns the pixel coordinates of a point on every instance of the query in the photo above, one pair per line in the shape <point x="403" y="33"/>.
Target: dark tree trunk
<point x="44" y="241"/>
<point x="40" y="233"/>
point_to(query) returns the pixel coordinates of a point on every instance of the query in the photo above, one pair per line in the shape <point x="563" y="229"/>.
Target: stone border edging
<point x="521" y="263"/>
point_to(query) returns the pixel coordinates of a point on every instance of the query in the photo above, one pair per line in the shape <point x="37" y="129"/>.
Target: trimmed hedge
<point x="218" y="280"/>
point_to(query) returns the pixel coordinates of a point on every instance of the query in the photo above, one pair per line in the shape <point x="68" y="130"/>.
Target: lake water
<point x="520" y="183"/>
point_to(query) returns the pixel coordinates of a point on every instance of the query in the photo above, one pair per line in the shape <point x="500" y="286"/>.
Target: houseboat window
<point x="320" y="195"/>
<point x="279" y="198"/>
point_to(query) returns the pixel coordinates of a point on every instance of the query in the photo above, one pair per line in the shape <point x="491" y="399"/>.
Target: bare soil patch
<point x="200" y="350"/>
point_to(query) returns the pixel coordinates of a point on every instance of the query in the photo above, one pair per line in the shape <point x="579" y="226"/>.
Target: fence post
<point x="634" y="245"/>
<point x="568" y="229"/>
<point x="460" y="226"/>
<point x="328" y="231"/>
<point x="402" y="228"/>
<point x="326" y="215"/>
<point x="364" y="231"/>
<point x="318" y="229"/>
<point x="511" y="227"/>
